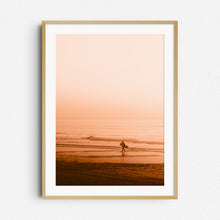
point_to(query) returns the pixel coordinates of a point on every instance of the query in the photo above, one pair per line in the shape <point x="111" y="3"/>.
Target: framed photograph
<point x="109" y="109"/>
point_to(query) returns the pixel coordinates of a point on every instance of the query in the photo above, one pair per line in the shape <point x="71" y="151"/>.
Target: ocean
<point x="98" y="141"/>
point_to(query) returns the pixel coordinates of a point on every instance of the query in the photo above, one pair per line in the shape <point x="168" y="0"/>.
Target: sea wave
<point x="94" y="138"/>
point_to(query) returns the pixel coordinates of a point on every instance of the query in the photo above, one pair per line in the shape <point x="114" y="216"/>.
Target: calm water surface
<point x="99" y="140"/>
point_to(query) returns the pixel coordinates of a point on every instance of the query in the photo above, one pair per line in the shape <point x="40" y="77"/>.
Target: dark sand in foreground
<point x="82" y="173"/>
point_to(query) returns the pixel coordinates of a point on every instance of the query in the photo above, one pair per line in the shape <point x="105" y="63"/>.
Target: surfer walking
<point x="123" y="146"/>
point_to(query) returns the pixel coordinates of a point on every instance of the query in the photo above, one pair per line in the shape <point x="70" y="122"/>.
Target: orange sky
<point x="109" y="76"/>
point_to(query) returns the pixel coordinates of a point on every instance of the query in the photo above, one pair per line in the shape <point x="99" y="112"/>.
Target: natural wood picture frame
<point x="45" y="82"/>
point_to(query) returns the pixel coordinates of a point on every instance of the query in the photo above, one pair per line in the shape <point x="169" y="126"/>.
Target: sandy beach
<point x="71" y="172"/>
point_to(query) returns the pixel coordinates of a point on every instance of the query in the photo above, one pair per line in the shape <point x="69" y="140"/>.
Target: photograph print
<point x="109" y="109"/>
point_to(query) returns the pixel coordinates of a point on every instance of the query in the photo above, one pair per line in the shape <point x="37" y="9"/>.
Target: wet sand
<point x="75" y="172"/>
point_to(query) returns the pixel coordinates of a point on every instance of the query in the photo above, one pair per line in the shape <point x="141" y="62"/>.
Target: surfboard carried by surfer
<point x="123" y="146"/>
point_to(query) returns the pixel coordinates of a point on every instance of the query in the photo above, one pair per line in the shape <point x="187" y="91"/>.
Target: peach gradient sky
<point x="109" y="76"/>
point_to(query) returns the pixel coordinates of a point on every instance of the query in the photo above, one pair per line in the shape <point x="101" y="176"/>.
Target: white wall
<point x="20" y="109"/>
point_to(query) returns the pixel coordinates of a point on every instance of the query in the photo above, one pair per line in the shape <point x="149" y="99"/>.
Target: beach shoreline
<point x="72" y="173"/>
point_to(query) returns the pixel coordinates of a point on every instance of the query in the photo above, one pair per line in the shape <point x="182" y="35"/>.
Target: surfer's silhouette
<point x="123" y="146"/>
